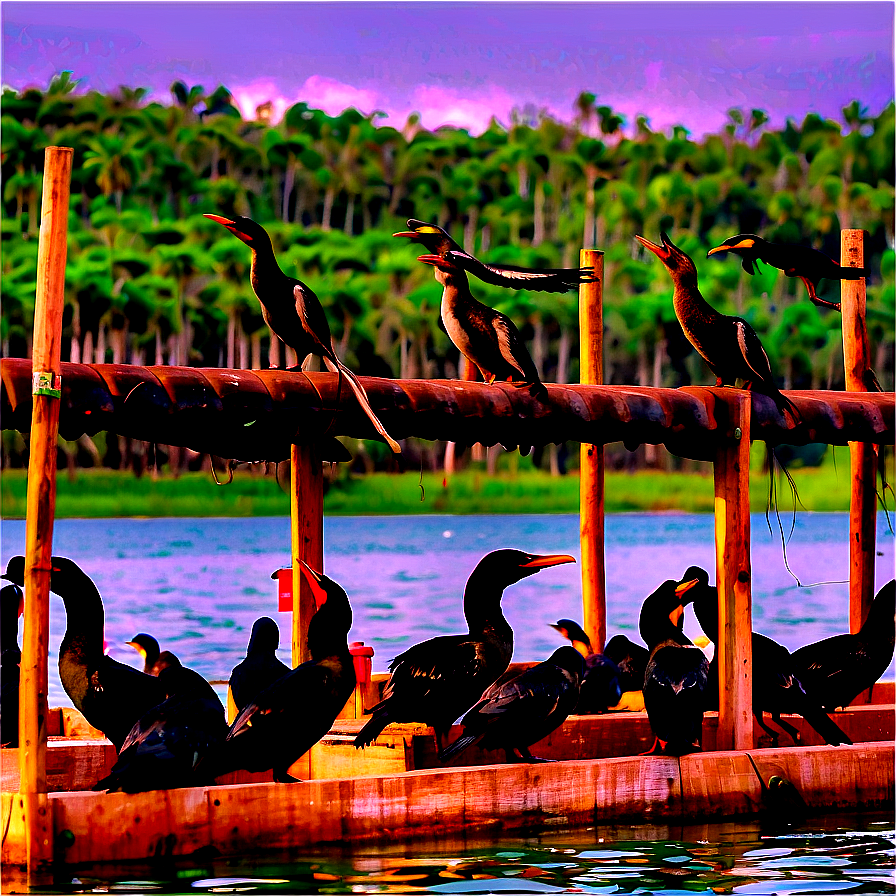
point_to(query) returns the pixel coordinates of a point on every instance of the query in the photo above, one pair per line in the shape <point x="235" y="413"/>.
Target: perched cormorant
<point x="836" y="670"/>
<point x="776" y="687"/>
<point x="110" y="695"/>
<point x="293" y="311"/>
<point x="600" y="686"/>
<point x="729" y="345"/>
<point x="487" y="338"/>
<point x="11" y="604"/>
<point x="290" y="716"/>
<point x="261" y="667"/>
<point x="631" y="660"/>
<point x="438" y="680"/>
<point x="438" y="242"/>
<point x="676" y="673"/>
<point x="147" y="648"/>
<point x="520" y="712"/>
<point x="165" y="745"/>
<point x="804" y="262"/>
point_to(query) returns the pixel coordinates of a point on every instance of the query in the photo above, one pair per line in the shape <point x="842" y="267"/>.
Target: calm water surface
<point x="831" y="854"/>
<point x="198" y="584"/>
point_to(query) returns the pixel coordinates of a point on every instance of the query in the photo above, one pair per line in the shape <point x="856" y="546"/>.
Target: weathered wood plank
<point x="719" y="784"/>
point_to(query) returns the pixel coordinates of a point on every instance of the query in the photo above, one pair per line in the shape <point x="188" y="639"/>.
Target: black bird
<point x="147" y="648"/>
<point x="12" y="602"/>
<point x="111" y="695"/>
<point x="438" y="242"/>
<point x="676" y="674"/>
<point x="729" y="345"/>
<point x="804" y="262"/>
<point x="164" y="747"/>
<point x="261" y="667"/>
<point x="600" y="686"/>
<point x="438" y="680"/>
<point x="836" y="670"/>
<point x="290" y="716"/>
<point x="631" y="660"/>
<point x="776" y="687"/>
<point x="487" y="338"/>
<point x="520" y="712"/>
<point x="293" y="312"/>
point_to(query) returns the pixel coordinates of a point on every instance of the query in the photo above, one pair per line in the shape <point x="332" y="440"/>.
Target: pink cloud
<point x="439" y="106"/>
<point x="334" y="96"/>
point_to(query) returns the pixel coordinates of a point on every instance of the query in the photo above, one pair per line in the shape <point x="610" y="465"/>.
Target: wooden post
<point x="862" y="456"/>
<point x="591" y="457"/>
<point x="733" y="576"/>
<point x="41" y="505"/>
<point x="306" y="507"/>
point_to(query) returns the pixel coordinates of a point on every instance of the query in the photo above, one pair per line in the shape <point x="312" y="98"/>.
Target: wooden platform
<point x="250" y="818"/>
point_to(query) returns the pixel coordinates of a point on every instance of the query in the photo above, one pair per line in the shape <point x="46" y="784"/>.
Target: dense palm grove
<point x="150" y="281"/>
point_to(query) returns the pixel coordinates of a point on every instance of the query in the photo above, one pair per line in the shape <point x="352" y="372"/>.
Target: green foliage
<point x="146" y="267"/>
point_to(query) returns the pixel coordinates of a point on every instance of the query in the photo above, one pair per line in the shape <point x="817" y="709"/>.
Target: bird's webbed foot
<point x="658" y="748"/>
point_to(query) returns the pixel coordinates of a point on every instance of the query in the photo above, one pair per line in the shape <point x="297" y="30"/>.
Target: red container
<point x="362" y="659"/>
<point x="284" y="589"/>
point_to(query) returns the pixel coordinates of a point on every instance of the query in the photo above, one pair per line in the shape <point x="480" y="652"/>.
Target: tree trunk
<point x="256" y="350"/>
<point x="563" y="352"/>
<point x="538" y="216"/>
<point x="231" y="338"/>
<point x="327" y="213"/>
<point x="274" y="351"/>
<point x="470" y="226"/>
<point x="288" y="182"/>
<point x="159" y="359"/>
<point x="349" y="226"/>
<point x="244" y="350"/>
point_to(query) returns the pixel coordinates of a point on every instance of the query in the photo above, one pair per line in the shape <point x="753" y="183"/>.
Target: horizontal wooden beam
<point x="257" y="415"/>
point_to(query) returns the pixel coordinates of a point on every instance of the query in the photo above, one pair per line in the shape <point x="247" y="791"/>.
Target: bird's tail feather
<point x="461" y="744"/>
<point x="371" y="731"/>
<point x="338" y="367"/>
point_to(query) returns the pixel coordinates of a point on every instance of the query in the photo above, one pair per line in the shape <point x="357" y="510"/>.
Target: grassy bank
<point x="105" y="493"/>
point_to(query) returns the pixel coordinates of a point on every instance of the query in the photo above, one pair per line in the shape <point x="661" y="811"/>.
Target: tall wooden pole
<point x="862" y="456"/>
<point x="306" y="507"/>
<point x="734" y="649"/>
<point x="41" y="505"/>
<point x="591" y="457"/>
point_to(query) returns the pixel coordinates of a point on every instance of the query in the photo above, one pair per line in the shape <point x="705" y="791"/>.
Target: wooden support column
<point x="591" y="457"/>
<point x="862" y="455"/>
<point x="306" y="506"/>
<point x="41" y="505"/>
<point x="733" y="575"/>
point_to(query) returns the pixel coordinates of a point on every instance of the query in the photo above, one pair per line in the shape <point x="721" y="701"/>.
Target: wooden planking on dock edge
<point x="247" y="818"/>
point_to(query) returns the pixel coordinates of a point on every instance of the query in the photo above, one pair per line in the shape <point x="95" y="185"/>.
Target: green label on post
<point x="45" y="382"/>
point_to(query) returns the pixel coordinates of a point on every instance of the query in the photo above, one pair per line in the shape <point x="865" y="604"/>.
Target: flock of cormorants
<point x="170" y="729"/>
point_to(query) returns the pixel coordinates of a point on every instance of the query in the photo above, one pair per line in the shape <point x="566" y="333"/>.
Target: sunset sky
<point x="460" y="63"/>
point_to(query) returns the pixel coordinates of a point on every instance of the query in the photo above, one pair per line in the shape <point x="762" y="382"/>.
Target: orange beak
<point x="547" y="560"/>
<point x="410" y="234"/>
<point x="661" y="252"/>
<point x="317" y="590"/>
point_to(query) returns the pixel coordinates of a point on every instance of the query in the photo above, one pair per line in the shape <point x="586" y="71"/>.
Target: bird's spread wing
<point x="522" y="696"/>
<point x="514" y="277"/>
<point x="429" y="665"/>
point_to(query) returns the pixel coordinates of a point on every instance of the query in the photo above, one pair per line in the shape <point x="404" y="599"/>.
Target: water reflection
<point x="831" y="854"/>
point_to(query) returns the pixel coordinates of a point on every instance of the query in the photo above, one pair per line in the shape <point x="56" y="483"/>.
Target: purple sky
<point x="459" y="63"/>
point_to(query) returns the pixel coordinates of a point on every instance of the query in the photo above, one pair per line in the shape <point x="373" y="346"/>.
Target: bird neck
<point x="328" y="629"/>
<point x="657" y="628"/>
<point x="264" y="271"/>
<point x="582" y="648"/>
<point x="690" y="305"/>
<point x="706" y="609"/>
<point x="456" y="290"/>
<point x="84" y="622"/>
<point x="482" y="607"/>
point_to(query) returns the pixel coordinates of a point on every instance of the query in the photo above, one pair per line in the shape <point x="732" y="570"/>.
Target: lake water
<point x="198" y="584"/>
<point x="833" y="854"/>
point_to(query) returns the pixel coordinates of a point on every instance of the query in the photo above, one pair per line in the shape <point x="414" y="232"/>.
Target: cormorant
<point x="110" y="695"/>
<point x="676" y="673"/>
<point x="804" y="262"/>
<point x="12" y="602"/>
<point x="147" y="648"/>
<point x="487" y="338"/>
<point x="776" y="687"/>
<point x="438" y="242"/>
<point x="520" y="712"/>
<point x="600" y="685"/>
<point x="261" y="667"/>
<point x="437" y="680"/>
<point x="287" y="718"/>
<point x="836" y="670"/>
<point x="165" y="745"/>
<point x="293" y="311"/>
<point x="630" y="658"/>
<point x="729" y="345"/>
